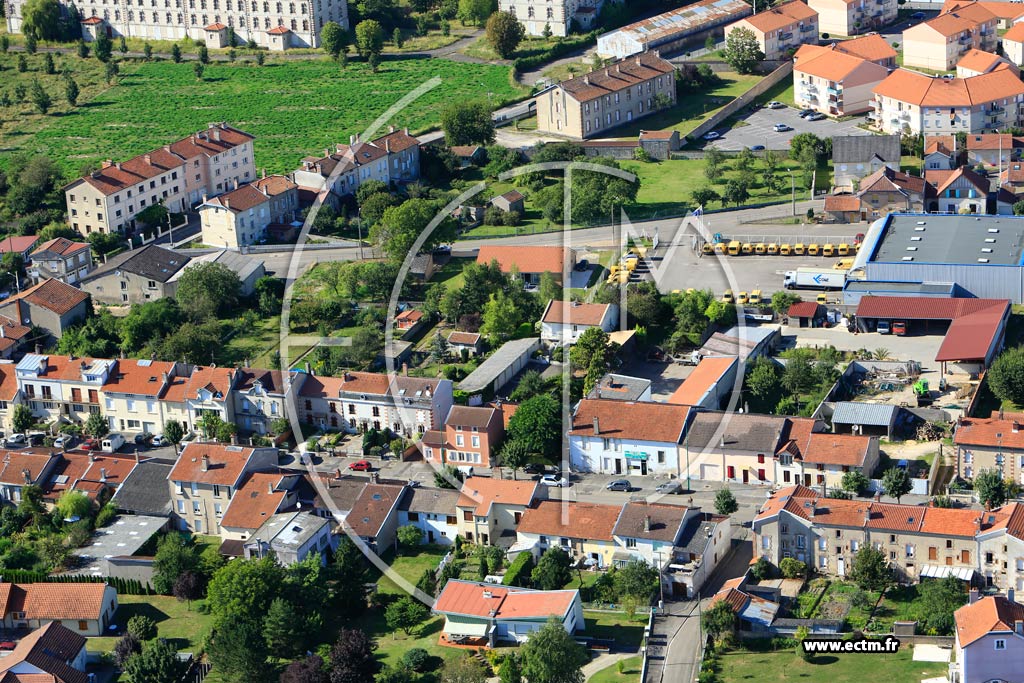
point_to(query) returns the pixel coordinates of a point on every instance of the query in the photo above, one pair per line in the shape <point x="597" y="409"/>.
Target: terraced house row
<point x="984" y="547"/>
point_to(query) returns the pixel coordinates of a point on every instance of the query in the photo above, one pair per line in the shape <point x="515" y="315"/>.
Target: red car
<point x="7" y="645"/>
<point x="361" y="466"/>
<point x="91" y="445"/>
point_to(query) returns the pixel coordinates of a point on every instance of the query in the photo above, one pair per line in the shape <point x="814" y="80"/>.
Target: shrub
<point x="142" y="627"/>
<point x="518" y="573"/>
<point x="416" y="659"/>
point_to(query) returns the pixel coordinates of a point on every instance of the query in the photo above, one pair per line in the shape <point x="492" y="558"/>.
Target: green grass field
<point x="187" y="628"/>
<point x="293" y="108"/>
<point x="411" y="567"/>
<point x="630" y="672"/>
<point x="786" y="665"/>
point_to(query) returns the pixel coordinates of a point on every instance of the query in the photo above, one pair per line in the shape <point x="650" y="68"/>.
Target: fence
<point x="744" y="100"/>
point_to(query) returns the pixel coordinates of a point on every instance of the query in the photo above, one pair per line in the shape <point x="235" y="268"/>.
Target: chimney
<point x="1018" y="627"/>
<point x="337" y="473"/>
<point x="205" y="466"/>
<point x="27" y="473"/>
<point x="118" y="165"/>
<point x="352" y="139"/>
<point x="270" y="487"/>
<point x="607" y="72"/>
<point x="586" y="79"/>
<point x="137" y="458"/>
<point x="204" y="198"/>
<point x="103" y="474"/>
<point x="227" y="203"/>
<point x="618" y="69"/>
<point x="234" y="439"/>
<point x="163" y="377"/>
<point x="92" y="457"/>
<point x="597" y="426"/>
<point x="391" y="129"/>
<point x="263" y="172"/>
<point x="405" y="369"/>
<point x="973" y="596"/>
<point x="647" y="523"/>
<point x="375" y="477"/>
<point x="1010" y="594"/>
<point x="307" y="368"/>
<point x="148" y="158"/>
<point x="867" y="515"/>
<point x="107" y="163"/>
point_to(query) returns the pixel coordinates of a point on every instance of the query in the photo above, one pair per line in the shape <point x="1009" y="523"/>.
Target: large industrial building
<point x="975" y="255"/>
<point x="673" y="30"/>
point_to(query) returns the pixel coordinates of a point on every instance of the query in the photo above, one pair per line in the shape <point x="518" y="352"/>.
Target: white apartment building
<point x="178" y="176"/>
<point x="273" y="24"/>
<point x="559" y="15"/>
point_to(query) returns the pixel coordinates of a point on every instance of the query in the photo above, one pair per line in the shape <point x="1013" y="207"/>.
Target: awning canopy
<point x="477" y="629"/>
<point x="937" y="571"/>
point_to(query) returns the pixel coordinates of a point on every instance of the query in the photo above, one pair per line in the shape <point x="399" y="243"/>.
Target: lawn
<point x="692" y="108"/>
<point x="786" y="665"/>
<point x="628" y="634"/>
<point x="630" y="672"/>
<point x="256" y="344"/>
<point x="411" y="567"/>
<point x="294" y="108"/>
<point x="174" y="620"/>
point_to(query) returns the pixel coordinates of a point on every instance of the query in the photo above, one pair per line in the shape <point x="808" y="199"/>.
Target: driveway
<point x="758" y="130"/>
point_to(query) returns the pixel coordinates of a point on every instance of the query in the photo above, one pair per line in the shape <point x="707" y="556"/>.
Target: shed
<point x="513" y="200"/>
<point x="501" y="367"/>
<point x="871" y="419"/>
<point x="806" y="314"/>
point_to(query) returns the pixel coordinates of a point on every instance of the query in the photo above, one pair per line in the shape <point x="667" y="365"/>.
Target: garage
<point x="710" y="472"/>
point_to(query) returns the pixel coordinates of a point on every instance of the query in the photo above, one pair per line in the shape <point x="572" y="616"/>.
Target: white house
<point x="563" y="322"/>
<point x="480" y="613"/>
<point x="989" y="639"/>
<point x="627" y="437"/>
<point x="433" y="512"/>
<point x="649" y="531"/>
<point x="291" y="537"/>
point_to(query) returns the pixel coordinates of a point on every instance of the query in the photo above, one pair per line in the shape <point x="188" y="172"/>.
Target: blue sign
<point x="635" y="456"/>
<point x="818" y="278"/>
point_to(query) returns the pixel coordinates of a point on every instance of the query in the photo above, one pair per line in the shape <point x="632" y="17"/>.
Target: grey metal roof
<point x="746" y="432"/>
<point x="151" y="261"/>
<point x="620" y="387"/>
<point x="288" y="530"/>
<point x="951" y="239"/>
<point x="860" y="148"/>
<point x="242" y="266"/>
<point x="875" y="414"/>
<point x="431" y="501"/>
<point x="123" y="536"/>
<point x="690" y="541"/>
<point x="499" y="362"/>
<point x="145" y="490"/>
<point x="896" y="288"/>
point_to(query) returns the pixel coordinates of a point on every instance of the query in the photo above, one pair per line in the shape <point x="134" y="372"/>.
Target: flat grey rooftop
<point x="951" y="239"/>
<point x="123" y="536"/>
<point x="877" y="287"/>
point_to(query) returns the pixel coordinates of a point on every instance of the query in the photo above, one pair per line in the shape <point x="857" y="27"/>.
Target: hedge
<point x="518" y="573"/>
<point x="559" y="49"/>
<point x="122" y="586"/>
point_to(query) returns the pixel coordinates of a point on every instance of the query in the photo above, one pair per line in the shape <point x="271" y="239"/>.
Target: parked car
<point x="619" y="485"/>
<point x="90" y="445"/>
<point x="158" y="441"/>
<point x="917" y="16"/>
<point x="36" y="438"/>
<point x="775" y="104"/>
<point x="782" y="128"/>
<point x="144" y="438"/>
<point x="712" y="135"/>
<point x="16" y="440"/>
<point x="757" y="148"/>
<point x="64" y="441"/>
<point x="538" y="468"/>
<point x="883" y="327"/>
<point x="360" y="466"/>
<point x="582" y="265"/>
<point x="816" y="116"/>
<point x="669" y="487"/>
<point x="804" y="113"/>
<point x="899" y="328"/>
<point x="7" y="645"/>
<point x="554" y="480"/>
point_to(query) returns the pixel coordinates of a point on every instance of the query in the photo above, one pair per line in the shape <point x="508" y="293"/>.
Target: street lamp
<point x="792" y="181"/>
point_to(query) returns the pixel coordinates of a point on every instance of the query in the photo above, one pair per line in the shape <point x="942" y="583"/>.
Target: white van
<point x="111" y="442"/>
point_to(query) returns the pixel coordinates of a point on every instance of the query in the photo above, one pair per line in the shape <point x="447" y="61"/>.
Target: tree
<point x="334" y="39"/>
<point x="538" y="424"/>
<point x="593" y="343"/>
<point x="530" y="384"/>
<point x="475" y="11"/>
<point x="735" y="191"/>
<point x="102" y="47"/>
<point x="464" y="669"/>
<point x="409" y="536"/>
<point x="176" y="53"/>
<point x="405" y="613"/>
<point x="548" y="288"/>
<point x="991" y="488"/>
<point x="792" y="568"/>
<point x="467" y="122"/>
<point x="703" y="196"/>
<point x="174" y="432"/>
<point x="870" y="570"/>
<point x="427" y="582"/>
<point x="938" y="600"/>
<point x="40" y="99"/>
<point x="719" y="621"/>
<point x="198" y="68"/>
<point x="241" y="589"/>
<point x="742" y="51"/>
<point x="22" y="419"/>
<point x="637" y="579"/>
<point x="401" y="225"/>
<point x="1006" y="376"/>
<point x="157" y="663"/>
<point x="238" y="650"/>
<point x="856" y="482"/>
<point x="802" y="633"/>
<point x="501" y="318"/>
<point x="416" y="659"/>
<point x="283" y="629"/>
<point x="552" y="570"/>
<point x="147" y="51"/>
<point x="762" y="569"/>
<point x="504" y="33"/>
<point x="444" y="477"/>
<point x="596" y="196"/>
<point x="369" y="38"/>
<point x="74" y="505"/>
<point x="188" y="587"/>
<point x="511" y="669"/>
<point x="551" y="655"/>
<point x="203" y="55"/>
<point x="208" y="290"/>
<point x="896" y="482"/>
<point x="41" y="19"/>
<point x="514" y="454"/>
<point x="126" y="646"/>
<point x="175" y="555"/>
<point x="71" y="91"/>
<point x="782" y="300"/>
<point x="352" y="658"/>
<point x="1018" y="208"/>
<point x="142" y="627"/>
<point x="725" y="502"/>
<point x="308" y="670"/>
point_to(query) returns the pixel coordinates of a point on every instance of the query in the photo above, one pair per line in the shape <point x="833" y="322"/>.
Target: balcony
<point x="807" y="28"/>
<point x="834" y="91"/>
<point x="785" y="36"/>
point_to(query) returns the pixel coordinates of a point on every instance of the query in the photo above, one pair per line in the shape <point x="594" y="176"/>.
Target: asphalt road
<point x="759" y="129"/>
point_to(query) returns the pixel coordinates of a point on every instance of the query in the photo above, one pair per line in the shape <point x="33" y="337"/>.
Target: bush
<point x="416" y="659"/>
<point x="518" y="573"/>
<point x="792" y="568"/>
<point x="142" y="627"/>
<point x="559" y="49"/>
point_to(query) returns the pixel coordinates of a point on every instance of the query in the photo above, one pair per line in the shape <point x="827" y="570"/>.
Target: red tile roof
<point x="370" y="510"/>
<point x="837" y="449"/>
<point x="240" y="199"/>
<point x="471" y="599"/>
<point x="526" y="259"/>
<point x="48" y="649"/>
<point x="590" y="521"/>
<point x="617" y="76"/>
<point x="562" y="313"/>
<point x="17" y="244"/>
<point x="464" y="338"/>
<point x="480" y="493"/>
<point x="60" y="246"/>
<point x="780" y="17"/>
<point x="54" y="601"/>
<point x="981" y="61"/>
<point x="658" y="422"/>
<point x="842" y="203"/>
<point x="15" y="464"/>
<point x="279" y="31"/>
<point x="52" y="295"/>
<point x="225" y="465"/>
<point x="707" y="374"/>
<point x="1015" y="34"/>
<point x="804" y="309"/>
<point x="904" y="85"/>
<point x="871" y="47"/>
<point x="215" y="380"/>
<point x="978" y="431"/>
<point x="994" y="613"/>
<point x="138" y="377"/>
<point x="254" y="502"/>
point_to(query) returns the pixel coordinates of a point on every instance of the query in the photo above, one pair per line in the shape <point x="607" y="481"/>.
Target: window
<point x="83" y="625"/>
<point x="216" y="491"/>
<point x="1000" y="644"/>
<point x="630" y="542"/>
<point x="414" y="516"/>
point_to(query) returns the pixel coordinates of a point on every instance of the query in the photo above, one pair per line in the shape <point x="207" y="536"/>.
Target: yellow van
<point x="720" y="247"/>
<point x="773" y="249"/>
<point x="813" y="250"/>
<point x="727" y="297"/>
<point x="709" y="248"/>
<point x="822" y="298"/>
<point x="760" y="248"/>
<point x="829" y="250"/>
<point x="742" y="298"/>
<point x="799" y="249"/>
<point x="747" y="248"/>
<point x="844" y="249"/>
<point x="785" y="250"/>
<point x="755" y="297"/>
<point x="843" y="264"/>
<point x="734" y="248"/>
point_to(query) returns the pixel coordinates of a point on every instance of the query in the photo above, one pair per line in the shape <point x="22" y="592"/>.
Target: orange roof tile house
<point x="627" y="437"/>
<point x="940" y="43"/>
<point x="84" y="608"/>
<point x="489" y="510"/>
<point x="834" y="82"/>
<point x="780" y="29"/>
<point x="483" y="613"/>
<point x="989" y="638"/>
<point x="529" y="262"/>
<point x="852" y="17"/>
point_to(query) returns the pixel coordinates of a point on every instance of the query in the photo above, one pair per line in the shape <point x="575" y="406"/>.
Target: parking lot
<point x="759" y="129"/>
